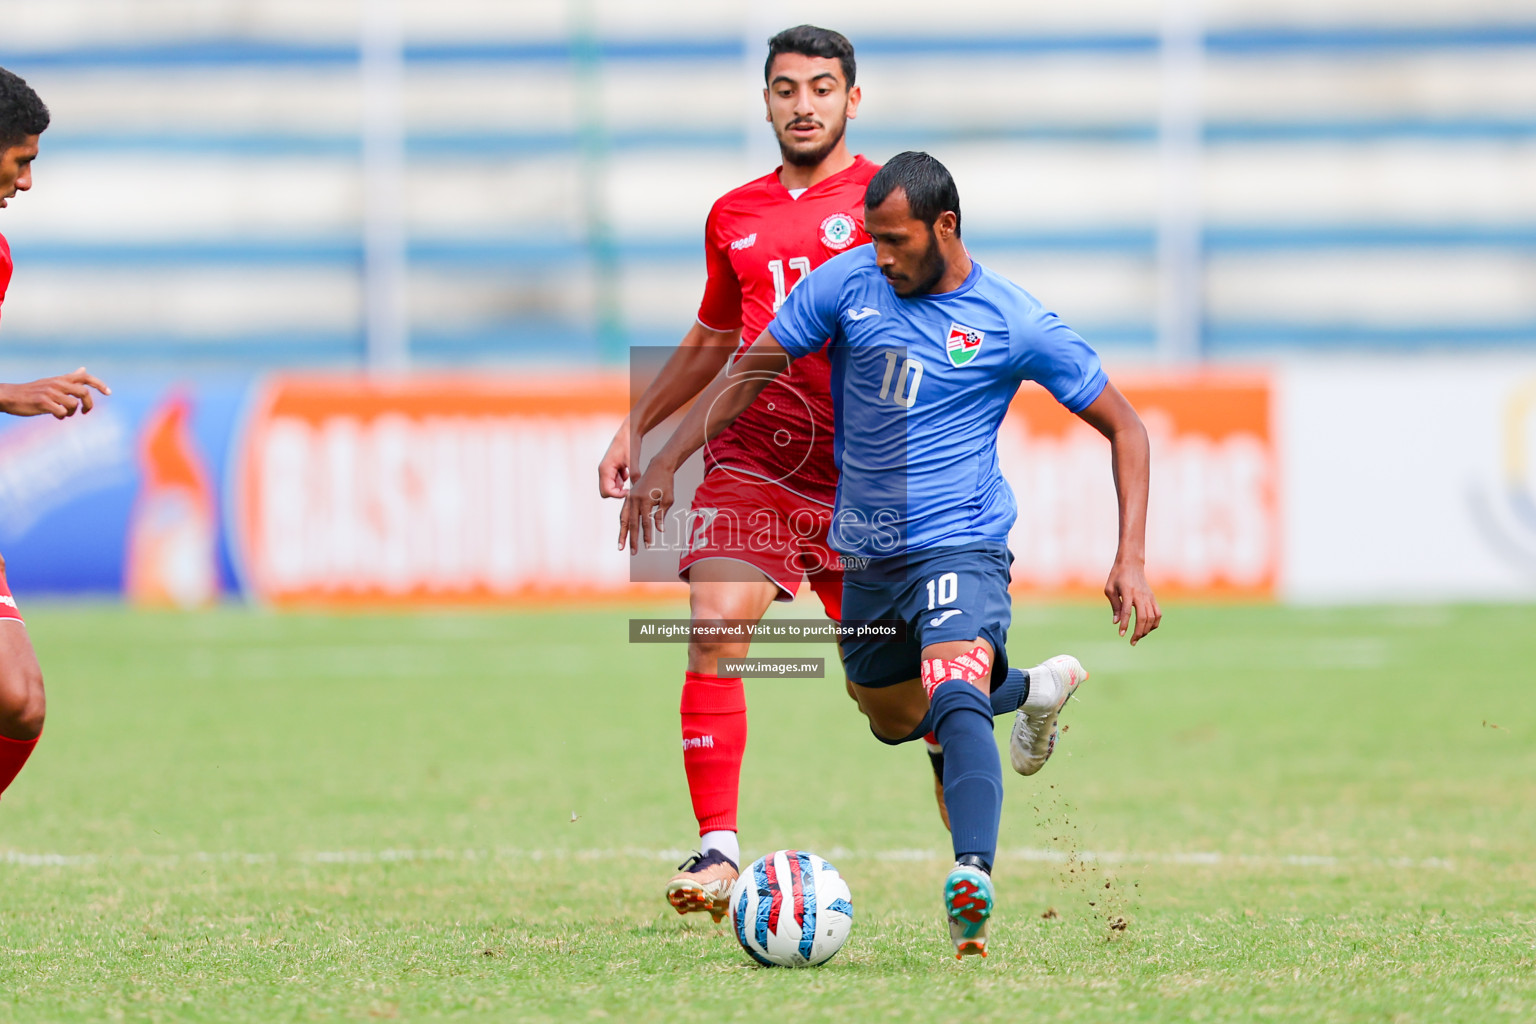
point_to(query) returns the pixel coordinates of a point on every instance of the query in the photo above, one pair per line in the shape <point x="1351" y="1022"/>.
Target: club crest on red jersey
<point x="838" y="232"/>
<point x="962" y="344"/>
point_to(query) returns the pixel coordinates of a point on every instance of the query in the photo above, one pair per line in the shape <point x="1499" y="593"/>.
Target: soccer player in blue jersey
<point x="928" y="348"/>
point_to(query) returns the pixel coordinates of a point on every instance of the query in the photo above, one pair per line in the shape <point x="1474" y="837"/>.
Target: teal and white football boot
<point x="968" y="904"/>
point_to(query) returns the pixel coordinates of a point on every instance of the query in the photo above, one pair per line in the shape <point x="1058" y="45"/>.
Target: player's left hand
<point x="59" y="397"/>
<point x="646" y="507"/>
<point x="613" y="471"/>
<point x="1128" y="592"/>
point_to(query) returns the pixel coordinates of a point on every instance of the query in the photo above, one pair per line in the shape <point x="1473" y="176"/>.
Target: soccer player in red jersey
<point x="22" y="119"/>
<point x="759" y="520"/>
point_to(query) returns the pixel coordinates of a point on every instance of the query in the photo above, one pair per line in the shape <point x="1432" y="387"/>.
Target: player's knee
<point x="729" y="642"/>
<point x="22" y="704"/>
<point x="703" y="653"/>
<point x="895" y="730"/>
<point x="891" y="725"/>
<point x="27" y="723"/>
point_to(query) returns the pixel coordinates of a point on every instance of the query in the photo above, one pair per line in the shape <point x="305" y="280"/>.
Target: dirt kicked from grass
<point x="1260" y="814"/>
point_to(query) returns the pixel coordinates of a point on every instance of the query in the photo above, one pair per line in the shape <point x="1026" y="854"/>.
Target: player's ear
<point x="854" y="96"/>
<point x="767" y="107"/>
<point x="945" y="225"/>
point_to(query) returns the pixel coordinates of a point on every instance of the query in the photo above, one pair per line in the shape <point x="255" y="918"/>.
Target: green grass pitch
<point x="1297" y="815"/>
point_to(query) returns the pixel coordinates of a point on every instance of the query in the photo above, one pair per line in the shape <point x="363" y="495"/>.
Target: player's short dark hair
<point x="810" y="41"/>
<point x="22" y="112"/>
<point x="928" y="184"/>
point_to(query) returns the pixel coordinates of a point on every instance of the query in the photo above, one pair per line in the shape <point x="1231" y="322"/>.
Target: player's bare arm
<point x="23" y="703"/>
<point x="1127" y="589"/>
<point x="60" y="397"/>
<point x="731" y="394"/>
<point x="690" y="367"/>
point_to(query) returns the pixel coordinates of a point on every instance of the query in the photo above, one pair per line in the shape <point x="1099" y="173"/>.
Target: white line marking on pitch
<point x="18" y="858"/>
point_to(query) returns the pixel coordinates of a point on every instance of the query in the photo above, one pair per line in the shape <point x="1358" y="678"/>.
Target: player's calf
<point x="22" y="701"/>
<point x="973" y="784"/>
<point x="714" y="724"/>
<point x="936" y="762"/>
<point x="22" y="704"/>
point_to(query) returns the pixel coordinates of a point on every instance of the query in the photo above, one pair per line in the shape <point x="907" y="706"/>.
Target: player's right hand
<point x="59" y="397"/>
<point x="1129" y="592"/>
<point x="613" y="471"/>
<point x="646" y="507"/>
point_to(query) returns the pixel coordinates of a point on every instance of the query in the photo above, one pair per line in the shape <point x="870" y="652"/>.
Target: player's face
<point x="906" y="249"/>
<point x="809" y="105"/>
<point x="16" y="168"/>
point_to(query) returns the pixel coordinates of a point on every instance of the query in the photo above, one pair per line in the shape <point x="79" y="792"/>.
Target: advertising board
<point x="1213" y="524"/>
<point x="437" y="490"/>
<point x="1318" y="481"/>
<point x="1410" y="480"/>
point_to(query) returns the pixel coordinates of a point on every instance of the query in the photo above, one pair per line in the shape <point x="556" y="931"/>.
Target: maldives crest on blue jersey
<point x="962" y="344"/>
<point x="837" y="231"/>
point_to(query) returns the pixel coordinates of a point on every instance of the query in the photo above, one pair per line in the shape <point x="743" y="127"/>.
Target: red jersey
<point x="759" y="242"/>
<point x="5" y="267"/>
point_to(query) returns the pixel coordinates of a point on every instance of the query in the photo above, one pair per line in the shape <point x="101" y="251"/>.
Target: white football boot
<point x="1051" y="685"/>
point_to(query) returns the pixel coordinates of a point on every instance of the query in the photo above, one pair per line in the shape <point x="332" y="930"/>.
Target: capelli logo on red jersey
<point x="745" y="243"/>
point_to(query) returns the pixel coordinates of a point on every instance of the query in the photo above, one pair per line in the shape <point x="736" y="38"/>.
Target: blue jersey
<point x="919" y="389"/>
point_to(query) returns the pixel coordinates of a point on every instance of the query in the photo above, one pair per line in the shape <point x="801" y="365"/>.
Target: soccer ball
<point x="791" y="909"/>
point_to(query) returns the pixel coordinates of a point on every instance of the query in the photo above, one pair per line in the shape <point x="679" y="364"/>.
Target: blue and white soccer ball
<point x="791" y="909"/>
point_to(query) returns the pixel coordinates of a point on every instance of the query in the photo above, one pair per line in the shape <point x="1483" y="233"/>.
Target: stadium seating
<point x="1365" y="180"/>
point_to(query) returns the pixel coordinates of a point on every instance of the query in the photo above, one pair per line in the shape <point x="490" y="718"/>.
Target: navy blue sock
<point x="1008" y="697"/>
<point x="973" y="775"/>
<point x="1005" y="700"/>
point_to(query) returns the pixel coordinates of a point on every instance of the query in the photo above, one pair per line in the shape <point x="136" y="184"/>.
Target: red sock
<point x="714" y="738"/>
<point x="13" y="754"/>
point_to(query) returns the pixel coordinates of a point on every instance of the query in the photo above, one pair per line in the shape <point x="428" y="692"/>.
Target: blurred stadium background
<point x="366" y="276"/>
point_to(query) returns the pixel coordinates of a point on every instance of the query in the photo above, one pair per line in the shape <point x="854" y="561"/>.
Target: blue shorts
<point x="958" y="593"/>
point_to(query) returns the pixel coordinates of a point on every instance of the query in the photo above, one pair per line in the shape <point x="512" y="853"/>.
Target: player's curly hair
<point x="22" y="112"/>
<point x="810" y="41"/>
<point x="929" y="187"/>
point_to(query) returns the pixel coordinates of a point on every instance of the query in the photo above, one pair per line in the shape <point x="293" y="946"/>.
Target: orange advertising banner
<point x="429" y="490"/>
<point x="1213" y="522"/>
<point x="482" y="490"/>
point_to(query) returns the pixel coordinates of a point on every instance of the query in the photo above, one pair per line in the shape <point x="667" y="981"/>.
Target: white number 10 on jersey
<point x="907" y="377"/>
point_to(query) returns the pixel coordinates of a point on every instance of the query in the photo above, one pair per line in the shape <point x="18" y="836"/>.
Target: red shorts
<point x="8" y="609"/>
<point x="768" y="527"/>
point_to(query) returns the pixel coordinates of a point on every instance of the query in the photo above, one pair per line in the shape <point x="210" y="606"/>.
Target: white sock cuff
<point x="723" y="841"/>
<point x="1044" y="688"/>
